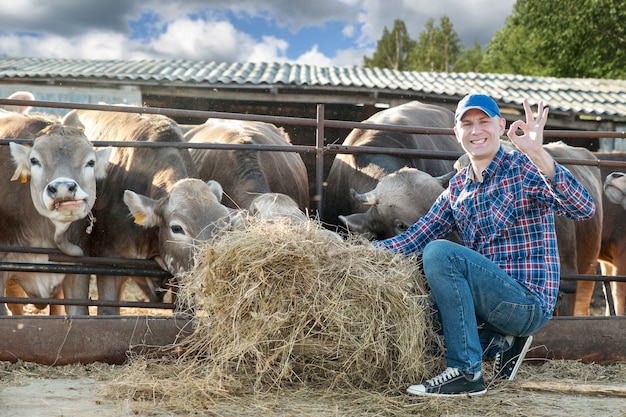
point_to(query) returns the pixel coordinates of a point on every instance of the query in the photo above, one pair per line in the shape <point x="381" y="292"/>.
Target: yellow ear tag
<point x="24" y="178"/>
<point x="140" y="219"/>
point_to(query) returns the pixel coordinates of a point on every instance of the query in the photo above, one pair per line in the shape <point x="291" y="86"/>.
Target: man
<point x="499" y="286"/>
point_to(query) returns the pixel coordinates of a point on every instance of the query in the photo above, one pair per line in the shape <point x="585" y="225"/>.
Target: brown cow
<point x="246" y="173"/>
<point x="52" y="212"/>
<point x="613" y="250"/>
<point x="579" y="241"/>
<point x="362" y="171"/>
<point x="150" y="172"/>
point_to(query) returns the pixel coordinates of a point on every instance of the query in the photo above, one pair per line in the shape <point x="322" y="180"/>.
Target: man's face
<point x="479" y="134"/>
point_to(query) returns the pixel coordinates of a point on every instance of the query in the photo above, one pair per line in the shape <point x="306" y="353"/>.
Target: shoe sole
<point x="435" y="394"/>
<point x="520" y="359"/>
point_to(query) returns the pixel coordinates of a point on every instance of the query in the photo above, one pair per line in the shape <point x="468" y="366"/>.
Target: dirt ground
<point x="75" y="390"/>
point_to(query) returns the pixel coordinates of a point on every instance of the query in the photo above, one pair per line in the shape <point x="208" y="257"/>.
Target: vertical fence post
<point x="319" y="159"/>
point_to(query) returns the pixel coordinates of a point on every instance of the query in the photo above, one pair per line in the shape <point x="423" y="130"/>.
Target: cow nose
<point x="616" y="174"/>
<point x="59" y="189"/>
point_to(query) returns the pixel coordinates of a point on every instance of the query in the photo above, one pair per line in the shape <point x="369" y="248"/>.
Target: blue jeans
<point x="476" y="301"/>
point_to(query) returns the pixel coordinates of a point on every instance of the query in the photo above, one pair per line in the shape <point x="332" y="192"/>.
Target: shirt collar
<point x="491" y="168"/>
<point x="495" y="163"/>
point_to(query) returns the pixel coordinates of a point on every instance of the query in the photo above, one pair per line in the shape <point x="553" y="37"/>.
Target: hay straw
<point x="272" y="305"/>
<point x="281" y="306"/>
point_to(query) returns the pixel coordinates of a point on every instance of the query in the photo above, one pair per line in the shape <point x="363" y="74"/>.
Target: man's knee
<point x="437" y="251"/>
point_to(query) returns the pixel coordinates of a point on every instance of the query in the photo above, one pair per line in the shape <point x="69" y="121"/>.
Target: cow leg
<point x="608" y="269"/>
<point x="3" y="281"/>
<point x="76" y="286"/>
<point x="57" y="309"/>
<point x="13" y="289"/>
<point x="110" y="288"/>
<point x="584" y="292"/>
<point x="618" y="291"/>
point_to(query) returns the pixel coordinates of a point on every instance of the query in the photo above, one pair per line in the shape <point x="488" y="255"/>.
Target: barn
<point x="287" y="89"/>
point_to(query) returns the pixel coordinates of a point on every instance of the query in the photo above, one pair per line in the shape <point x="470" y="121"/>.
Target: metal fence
<point x="149" y="268"/>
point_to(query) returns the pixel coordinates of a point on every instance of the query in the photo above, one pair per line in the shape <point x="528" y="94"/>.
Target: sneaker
<point x="451" y="383"/>
<point x="508" y="361"/>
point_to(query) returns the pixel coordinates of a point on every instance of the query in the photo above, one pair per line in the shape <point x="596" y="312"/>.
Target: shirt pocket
<point x="500" y="216"/>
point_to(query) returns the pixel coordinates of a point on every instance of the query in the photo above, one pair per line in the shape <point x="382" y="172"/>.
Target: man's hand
<point x="530" y="140"/>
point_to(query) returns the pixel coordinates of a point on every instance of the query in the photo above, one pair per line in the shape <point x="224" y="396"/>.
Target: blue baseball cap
<point x="476" y="101"/>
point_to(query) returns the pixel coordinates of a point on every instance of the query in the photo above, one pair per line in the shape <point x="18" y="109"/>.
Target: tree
<point x="469" y="60"/>
<point x="437" y="48"/>
<point x="392" y="50"/>
<point x="565" y="38"/>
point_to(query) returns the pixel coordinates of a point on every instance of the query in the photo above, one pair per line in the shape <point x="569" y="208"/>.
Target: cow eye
<point x="35" y="162"/>
<point x="401" y="226"/>
<point x="177" y="229"/>
<point x="90" y="164"/>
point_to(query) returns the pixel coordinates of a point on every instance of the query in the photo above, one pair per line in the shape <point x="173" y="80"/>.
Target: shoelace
<point x="497" y="361"/>
<point x="445" y="376"/>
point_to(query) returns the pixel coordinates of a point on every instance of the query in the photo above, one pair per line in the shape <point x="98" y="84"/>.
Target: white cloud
<point x="349" y="31"/>
<point x="271" y="49"/>
<point x="351" y="57"/>
<point x="91" y="46"/>
<point x="314" y="57"/>
<point x="94" y="29"/>
<point x="202" y="40"/>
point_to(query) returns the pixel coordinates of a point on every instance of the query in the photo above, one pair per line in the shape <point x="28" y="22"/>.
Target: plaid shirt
<point x="509" y="218"/>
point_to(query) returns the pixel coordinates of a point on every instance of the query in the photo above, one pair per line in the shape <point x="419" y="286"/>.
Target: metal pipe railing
<point x="149" y="268"/>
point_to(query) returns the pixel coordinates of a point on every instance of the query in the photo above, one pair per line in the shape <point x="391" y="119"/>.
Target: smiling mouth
<point x="478" y="141"/>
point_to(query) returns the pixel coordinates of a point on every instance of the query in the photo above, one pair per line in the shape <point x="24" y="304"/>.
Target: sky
<point x="316" y="32"/>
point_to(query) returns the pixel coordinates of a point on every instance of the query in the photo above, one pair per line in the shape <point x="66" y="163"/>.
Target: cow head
<point x="276" y="206"/>
<point x="615" y="188"/>
<point x="190" y="214"/>
<point x="397" y="202"/>
<point x="63" y="167"/>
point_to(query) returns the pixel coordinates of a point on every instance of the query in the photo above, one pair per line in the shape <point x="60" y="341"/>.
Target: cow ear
<point x="238" y="217"/>
<point x="142" y="208"/>
<point x="102" y="162"/>
<point x="216" y="189"/>
<point x="359" y="223"/>
<point x="21" y="158"/>
<point x="444" y="180"/>
<point x="21" y="95"/>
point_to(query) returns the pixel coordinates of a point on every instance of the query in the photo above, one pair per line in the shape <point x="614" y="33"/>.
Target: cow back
<point x="244" y="174"/>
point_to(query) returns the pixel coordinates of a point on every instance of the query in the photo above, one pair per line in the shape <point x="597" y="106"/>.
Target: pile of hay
<point x="278" y="304"/>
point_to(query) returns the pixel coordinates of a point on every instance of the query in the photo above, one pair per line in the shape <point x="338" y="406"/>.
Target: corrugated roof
<point x="591" y="96"/>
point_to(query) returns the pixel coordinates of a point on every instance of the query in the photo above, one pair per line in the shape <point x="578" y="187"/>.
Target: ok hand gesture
<point x="530" y="140"/>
